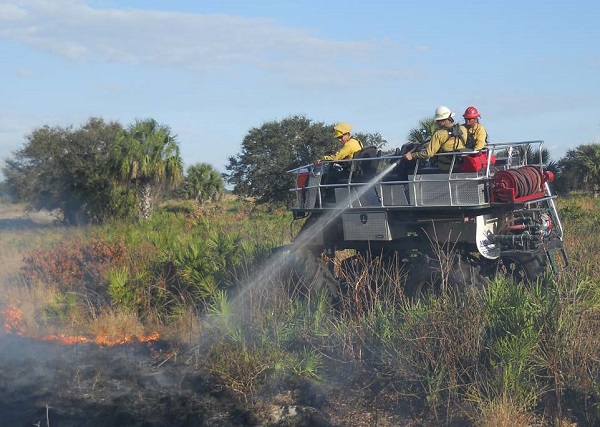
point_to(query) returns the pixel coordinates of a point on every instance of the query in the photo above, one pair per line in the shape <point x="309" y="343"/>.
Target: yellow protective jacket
<point x="347" y="151"/>
<point x="477" y="136"/>
<point x="442" y="141"/>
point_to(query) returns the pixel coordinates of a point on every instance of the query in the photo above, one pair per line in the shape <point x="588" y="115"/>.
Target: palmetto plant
<point x="146" y="155"/>
<point x="307" y="363"/>
<point x="196" y="266"/>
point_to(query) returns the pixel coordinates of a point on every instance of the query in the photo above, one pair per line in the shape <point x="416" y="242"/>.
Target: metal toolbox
<point x="366" y="226"/>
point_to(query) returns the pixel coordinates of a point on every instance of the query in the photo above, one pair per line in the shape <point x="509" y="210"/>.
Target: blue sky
<point x="214" y="69"/>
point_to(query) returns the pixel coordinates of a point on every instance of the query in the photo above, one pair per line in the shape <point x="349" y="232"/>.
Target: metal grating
<point x="366" y="226"/>
<point x="437" y="190"/>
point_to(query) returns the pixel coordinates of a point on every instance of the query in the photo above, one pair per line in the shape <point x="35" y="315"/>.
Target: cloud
<point x="25" y="73"/>
<point x="201" y="42"/>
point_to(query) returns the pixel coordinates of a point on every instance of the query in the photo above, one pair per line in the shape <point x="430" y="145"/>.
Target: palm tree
<point x="532" y="157"/>
<point x="580" y="170"/>
<point x="203" y="183"/>
<point x="541" y="157"/>
<point x="146" y="155"/>
<point x="423" y="132"/>
<point x="587" y="165"/>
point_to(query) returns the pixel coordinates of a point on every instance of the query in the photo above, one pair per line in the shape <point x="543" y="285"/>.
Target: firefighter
<point x="476" y="133"/>
<point x="448" y="138"/>
<point x="350" y="145"/>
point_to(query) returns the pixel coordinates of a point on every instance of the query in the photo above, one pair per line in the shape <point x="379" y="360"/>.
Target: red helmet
<point x="471" y="113"/>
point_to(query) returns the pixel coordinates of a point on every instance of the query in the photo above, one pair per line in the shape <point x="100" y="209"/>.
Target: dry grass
<point x="16" y="240"/>
<point x="8" y="255"/>
<point x="115" y="326"/>
<point x="12" y="210"/>
<point x="10" y="260"/>
<point x="30" y="303"/>
<point x="585" y="202"/>
<point x="503" y="412"/>
<point x="184" y="327"/>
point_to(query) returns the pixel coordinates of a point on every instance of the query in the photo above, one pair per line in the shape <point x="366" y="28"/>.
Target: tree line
<point x="103" y="170"/>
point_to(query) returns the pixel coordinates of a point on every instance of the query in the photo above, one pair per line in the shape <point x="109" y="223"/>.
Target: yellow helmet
<point x="341" y="128"/>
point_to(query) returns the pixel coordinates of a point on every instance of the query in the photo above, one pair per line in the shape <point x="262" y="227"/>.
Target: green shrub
<point x="121" y="292"/>
<point x="60" y="309"/>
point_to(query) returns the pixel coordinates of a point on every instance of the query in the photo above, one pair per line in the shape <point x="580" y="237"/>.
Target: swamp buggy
<point x="501" y="219"/>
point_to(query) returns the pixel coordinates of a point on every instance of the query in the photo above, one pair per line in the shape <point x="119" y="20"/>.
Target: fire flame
<point x="14" y="320"/>
<point x="14" y="325"/>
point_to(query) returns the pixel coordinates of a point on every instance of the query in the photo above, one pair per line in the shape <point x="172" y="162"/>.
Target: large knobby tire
<point x="455" y="271"/>
<point x="466" y="274"/>
<point x="308" y="272"/>
<point x="522" y="267"/>
<point x="369" y="271"/>
<point x="422" y="278"/>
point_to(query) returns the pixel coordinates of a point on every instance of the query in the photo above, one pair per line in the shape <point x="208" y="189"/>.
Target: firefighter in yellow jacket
<point x="476" y="133"/>
<point x="350" y="145"/>
<point x="448" y="138"/>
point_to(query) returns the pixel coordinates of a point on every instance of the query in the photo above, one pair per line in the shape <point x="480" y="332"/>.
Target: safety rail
<point x="387" y="182"/>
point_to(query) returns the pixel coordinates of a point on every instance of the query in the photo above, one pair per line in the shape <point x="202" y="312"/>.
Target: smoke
<point x="44" y="383"/>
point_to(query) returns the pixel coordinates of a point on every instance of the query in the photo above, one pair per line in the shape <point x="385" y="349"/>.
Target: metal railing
<point x="343" y="184"/>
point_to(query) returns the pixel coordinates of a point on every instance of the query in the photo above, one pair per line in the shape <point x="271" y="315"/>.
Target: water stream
<point x="278" y="262"/>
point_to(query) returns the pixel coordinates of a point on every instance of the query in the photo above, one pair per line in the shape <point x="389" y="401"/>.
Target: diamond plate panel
<point x="366" y="226"/>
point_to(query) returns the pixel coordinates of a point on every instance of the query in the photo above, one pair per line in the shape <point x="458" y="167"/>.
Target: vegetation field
<point x="201" y="288"/>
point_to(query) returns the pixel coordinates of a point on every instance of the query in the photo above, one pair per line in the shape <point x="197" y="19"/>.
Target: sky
<point x="212" y="70"/>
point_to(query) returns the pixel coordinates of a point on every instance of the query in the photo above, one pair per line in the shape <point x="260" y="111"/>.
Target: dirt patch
<point x="18" y="219"/>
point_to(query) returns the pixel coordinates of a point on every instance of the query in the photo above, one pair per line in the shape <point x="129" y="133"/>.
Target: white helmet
<point x="442" y="112"/>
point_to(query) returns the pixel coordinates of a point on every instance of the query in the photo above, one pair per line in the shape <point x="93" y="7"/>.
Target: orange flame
<point x="106" y="341"/>
<point x="14" y="324"/>
<point x="101" y="340"/>
<point x="65" y="339"/>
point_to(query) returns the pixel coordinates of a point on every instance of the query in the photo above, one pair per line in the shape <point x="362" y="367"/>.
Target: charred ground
<point x="137" y="384"/>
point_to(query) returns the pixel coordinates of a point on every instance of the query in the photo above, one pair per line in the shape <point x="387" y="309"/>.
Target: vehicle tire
<point x="522" y="267"/>
<point x="306" y="235"/>
<point x="307" y="271"/>
<point x="423" y="276"/>
<point x="466" y="274"/>
<point x="458" y="273"/>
